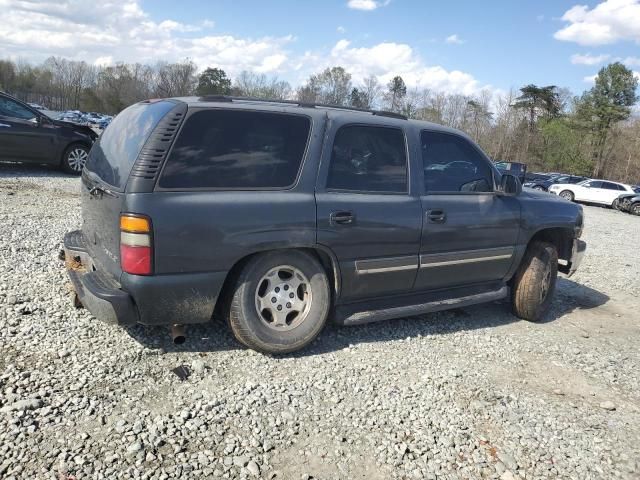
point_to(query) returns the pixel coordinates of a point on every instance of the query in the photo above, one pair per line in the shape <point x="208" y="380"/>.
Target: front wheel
<point x="74" y="159"/>
<point x="540" y="188"/>
<point x="635" y="209"/>
<point x="567" y="195"/>
<point x="280" y="302"/>
<point x="535" y="282"/>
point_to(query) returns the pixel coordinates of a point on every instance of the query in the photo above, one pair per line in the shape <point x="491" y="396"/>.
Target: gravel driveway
<point x="470" y="393"/>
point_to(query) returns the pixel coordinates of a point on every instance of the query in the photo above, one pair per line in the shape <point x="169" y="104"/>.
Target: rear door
<point x="366" y="213"/>
<point x="105" y="177"/>
<point x="470" y="231"/>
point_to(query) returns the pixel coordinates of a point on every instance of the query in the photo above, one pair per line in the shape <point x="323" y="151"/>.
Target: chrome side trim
<point x="382" y="265"/>
<point x="466" y="256"/>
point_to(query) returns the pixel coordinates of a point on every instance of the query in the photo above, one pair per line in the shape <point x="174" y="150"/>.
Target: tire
<point x="567" y="195"/>
<point x="540" y="188"/>
<point x="616" y="204"/>
<point x="298" y="313"/>
<point x="635" y="209"/>
<point x="74" y="158"/>
<point x="535" y="282"/>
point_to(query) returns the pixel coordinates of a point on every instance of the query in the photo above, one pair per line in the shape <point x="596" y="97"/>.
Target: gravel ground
<point x="470" y="393"/>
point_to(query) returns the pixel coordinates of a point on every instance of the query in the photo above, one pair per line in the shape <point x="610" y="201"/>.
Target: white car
<point x="592" y="191"/>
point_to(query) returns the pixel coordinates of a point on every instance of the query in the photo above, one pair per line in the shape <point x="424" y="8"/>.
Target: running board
<point x="353" y="314"/>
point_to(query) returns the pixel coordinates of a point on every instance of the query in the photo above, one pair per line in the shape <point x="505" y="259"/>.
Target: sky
<point x="454" y="46"/>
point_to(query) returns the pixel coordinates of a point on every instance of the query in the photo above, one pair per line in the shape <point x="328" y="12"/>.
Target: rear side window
<point x="452" y="164"/>
<point x="368" y="159"/>
<point x="115" y="152"/>
<point x="611" y="186"/>
<point x="227" y="149"/>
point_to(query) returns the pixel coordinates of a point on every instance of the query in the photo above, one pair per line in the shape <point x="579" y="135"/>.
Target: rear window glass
<point x="115" y="152"/>
<point x="230" y="149"/>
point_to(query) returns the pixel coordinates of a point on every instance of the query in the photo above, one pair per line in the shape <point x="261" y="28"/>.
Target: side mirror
<point x="510" y="185"/>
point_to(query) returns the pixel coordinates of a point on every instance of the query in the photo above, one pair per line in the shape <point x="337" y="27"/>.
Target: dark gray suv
<point x="278" y="216"/>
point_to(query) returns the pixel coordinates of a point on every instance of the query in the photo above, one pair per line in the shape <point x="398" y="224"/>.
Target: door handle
<point x="341" y="218"/>
<point x="436" y="216"/>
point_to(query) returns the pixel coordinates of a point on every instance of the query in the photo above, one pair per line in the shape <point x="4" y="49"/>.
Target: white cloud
<point x="631" y="61"/>
<point x="386" y="60"/>
<point x="608" y="22"/>
<point x="341" y="29"/>
<point x="454" y="39"/>
<point x="367" y="5"/>
<point x="588" y="59"/>
<point x="121" y="30"/>
<point x="103" y="61"/>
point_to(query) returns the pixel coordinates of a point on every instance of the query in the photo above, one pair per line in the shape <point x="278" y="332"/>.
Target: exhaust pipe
<point x="177" y="334"/>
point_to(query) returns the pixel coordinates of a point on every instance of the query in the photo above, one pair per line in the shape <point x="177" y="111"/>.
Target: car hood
<point x="538" y="195"/>
<point x="629" y="195"/>
<point x="83" y="129"/>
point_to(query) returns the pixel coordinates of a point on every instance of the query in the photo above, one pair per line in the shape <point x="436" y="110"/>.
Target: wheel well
<point x="559" y="237"/>
<point x="329" y="264"/>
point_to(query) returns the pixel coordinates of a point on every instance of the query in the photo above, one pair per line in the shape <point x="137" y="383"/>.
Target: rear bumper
<point x="98" y="291"/>
<point x="180" y="298"/>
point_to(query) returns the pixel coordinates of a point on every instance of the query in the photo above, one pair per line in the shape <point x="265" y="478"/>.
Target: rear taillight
<point x="136" y="244"/>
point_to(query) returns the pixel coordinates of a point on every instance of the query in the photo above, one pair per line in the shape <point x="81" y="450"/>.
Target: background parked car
<point x="544" y="184"/>
<point x="37" y="106"/>
<point x="516" y="169"/>
<point x="624" y="201"/>
<point x="28" y="135"/>
<point x="601" y="192"/>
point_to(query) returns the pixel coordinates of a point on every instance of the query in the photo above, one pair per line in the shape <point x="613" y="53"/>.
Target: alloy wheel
<point x="77" y="159"/>
<point x="283" y="298"/>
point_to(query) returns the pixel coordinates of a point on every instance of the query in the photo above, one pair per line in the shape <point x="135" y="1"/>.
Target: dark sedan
<point x="28" y="135"/>
<point x="544" y="184"/>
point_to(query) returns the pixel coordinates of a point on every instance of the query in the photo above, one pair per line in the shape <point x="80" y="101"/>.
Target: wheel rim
<point x="283" y="298"/>
<point x="538" y="188"/>
<point x="77" y="158"/>
<point x="546" y="284"/>
<point x="566" y="195"/>
<point x="636" y="210"/>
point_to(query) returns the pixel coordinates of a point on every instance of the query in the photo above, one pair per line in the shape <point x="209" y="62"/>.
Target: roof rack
<point x="229" y="98"/>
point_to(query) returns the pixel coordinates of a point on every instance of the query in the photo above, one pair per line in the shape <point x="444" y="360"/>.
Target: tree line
<point x="594" y="134"/>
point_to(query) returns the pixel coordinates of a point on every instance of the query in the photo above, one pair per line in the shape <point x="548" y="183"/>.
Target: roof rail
<point x="229" y="98"/>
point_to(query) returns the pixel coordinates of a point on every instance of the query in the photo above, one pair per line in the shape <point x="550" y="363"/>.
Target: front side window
<point x="368" y="159"/>
<point x="452" y="164"/>
<point x="12" y="109"/>
<point x="227" y="149"/>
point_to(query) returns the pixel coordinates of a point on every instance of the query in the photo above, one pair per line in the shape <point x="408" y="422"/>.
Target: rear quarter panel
<point x="208" y="231"/>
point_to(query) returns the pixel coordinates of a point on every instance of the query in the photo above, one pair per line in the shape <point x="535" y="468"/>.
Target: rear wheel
<point x="280" y="302"/>
<point x="635" y="209"/>
<point x="567" y="195"/>
<point x="616" y="204"/>
<point x="535" y="281"/>
<point x="540" y="188"/>
<point x="74" y="158"/>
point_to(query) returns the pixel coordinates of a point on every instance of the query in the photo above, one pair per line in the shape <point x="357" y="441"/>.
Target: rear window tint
<point x="227" y="149"/>
<point x="115" y="152"/>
